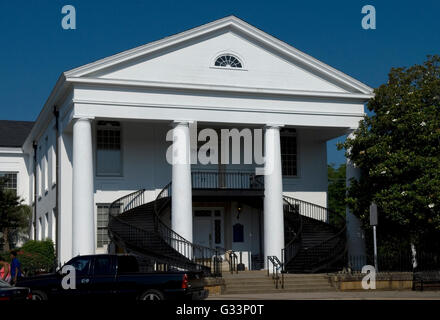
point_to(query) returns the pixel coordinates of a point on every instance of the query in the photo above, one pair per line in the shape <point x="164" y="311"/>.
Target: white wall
<point x="14" y="160"/>
<point x="312" y="181"/>
<point x="261" y="67"/>
<point x="46" y="181"/>
<point x="65" y="197"/>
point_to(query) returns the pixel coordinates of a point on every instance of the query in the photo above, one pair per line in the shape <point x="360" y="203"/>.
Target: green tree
<point x="37" y="256"/>
<point x="336" y="188"/>
<point x="14" y="216"/>
<point x="398" y="152"/>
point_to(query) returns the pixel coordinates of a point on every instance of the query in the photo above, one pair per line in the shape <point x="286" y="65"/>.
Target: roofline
<point x="59" y="88"/>
<point x="72" y="75"/>
<point x="229" y="21"/>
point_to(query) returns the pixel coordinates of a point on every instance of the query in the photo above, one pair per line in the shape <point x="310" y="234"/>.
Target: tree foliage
<point x="398" y="152"/>
<point x="336" y="188"/>
<point x="14" y="216"/>
<point x="37" y="256"/>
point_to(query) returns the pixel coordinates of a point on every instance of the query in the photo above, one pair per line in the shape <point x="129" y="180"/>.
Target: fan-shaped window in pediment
<point x="228" y="61"/>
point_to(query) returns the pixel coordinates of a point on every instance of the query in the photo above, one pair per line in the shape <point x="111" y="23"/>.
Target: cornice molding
<point x="11" y="150"/>
<point x="216" y="88"/>
<point x="205" y="107"/>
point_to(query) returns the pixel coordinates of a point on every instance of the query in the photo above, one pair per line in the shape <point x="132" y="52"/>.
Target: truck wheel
<point x="152" y="295"/>
<point x="38" y="295"/>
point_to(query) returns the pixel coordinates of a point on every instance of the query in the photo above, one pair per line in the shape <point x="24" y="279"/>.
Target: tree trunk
<point x="413" y="255"/>
<point x="6" y="246"/>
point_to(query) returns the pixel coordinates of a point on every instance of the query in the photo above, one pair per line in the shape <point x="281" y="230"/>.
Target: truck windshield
<point x="81" y="265"/>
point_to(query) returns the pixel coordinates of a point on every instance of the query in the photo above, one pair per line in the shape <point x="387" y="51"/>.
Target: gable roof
<point x="229" y="22"/>
<point x="14" y="133"/>
<point x="84" y="73"/>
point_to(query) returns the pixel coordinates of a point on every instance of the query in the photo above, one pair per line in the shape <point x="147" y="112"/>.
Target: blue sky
<point x="35" y="49"/>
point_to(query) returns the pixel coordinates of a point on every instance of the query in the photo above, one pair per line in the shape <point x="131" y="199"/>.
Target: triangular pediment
<point x="189" y="58"/>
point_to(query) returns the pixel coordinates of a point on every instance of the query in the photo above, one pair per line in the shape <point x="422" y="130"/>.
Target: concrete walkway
<point x="359" y="295"/>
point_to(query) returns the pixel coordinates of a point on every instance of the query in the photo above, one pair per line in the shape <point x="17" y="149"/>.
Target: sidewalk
<point x="360" y="295"/>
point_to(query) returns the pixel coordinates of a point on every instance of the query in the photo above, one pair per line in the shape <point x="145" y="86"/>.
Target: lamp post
<point x="374" y="222"/>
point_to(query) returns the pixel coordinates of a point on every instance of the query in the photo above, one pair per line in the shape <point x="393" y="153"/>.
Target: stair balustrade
<point x="191" y="256"/>
<point x="277" y="268"/>
<point x="226" y="180"/>
<point x="328" y="251"/>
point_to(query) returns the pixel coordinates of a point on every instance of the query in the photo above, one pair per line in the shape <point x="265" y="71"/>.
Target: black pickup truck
<point x="116" y="276"/>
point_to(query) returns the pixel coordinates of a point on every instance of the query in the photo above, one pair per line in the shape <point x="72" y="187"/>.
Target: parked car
<point x="10" y="293"/>
<point x="116" y="276"/>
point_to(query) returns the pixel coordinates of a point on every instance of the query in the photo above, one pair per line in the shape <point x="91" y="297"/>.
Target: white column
<point x="83" y="221"/>
<point x="273" y="194"/>
<point x="181" y="194"/>
<point x="355" y="234"/>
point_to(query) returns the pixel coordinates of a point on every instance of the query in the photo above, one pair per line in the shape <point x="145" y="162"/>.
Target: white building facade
<point x="103" y="134"/>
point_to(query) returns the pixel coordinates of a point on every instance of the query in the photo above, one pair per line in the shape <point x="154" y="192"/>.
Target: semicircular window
<point x="228" y="61"/>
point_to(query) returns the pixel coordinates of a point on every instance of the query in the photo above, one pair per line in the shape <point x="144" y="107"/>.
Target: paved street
<point x="367" y="295"/>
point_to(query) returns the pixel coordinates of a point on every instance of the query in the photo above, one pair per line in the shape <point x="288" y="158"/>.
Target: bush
<point x="37" y="257"/>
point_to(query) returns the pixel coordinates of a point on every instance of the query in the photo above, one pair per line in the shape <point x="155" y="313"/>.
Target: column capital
<point x="176" y="123"/>
<point x="273" y="126"/>
<point x="83" y="118"/>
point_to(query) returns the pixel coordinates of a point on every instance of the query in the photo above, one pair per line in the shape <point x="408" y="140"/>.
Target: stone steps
<point x="258" y="282"/>
<point x="286" y="280"/>
<point x="273" y="290"/>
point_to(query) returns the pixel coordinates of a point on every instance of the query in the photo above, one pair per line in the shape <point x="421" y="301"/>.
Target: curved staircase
<point x="136" y="227"/>
<point x="314" y="237"/>
<point x="316" y="242"/>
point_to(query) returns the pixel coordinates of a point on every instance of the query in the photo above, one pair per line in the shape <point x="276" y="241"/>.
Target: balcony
<point x="227" y="183"/>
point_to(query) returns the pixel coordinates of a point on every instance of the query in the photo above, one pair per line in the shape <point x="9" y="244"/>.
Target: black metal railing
<point x="292" y="248"/>
<point x="277" y="268"/>
<point x="233" y="262"/>
<point x="400" y="260"/>
<point x="317" y="212"/>
<point x="210" y="259"/>
<point x="190" y="256"/>
<point x="204" y="257"/>
<point x="127" y="202"/>
<point x="226" y="180"/>
<point x="325" y="253"/>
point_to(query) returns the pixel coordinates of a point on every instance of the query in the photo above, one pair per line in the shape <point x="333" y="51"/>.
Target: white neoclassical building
<point x="102" y="135"/>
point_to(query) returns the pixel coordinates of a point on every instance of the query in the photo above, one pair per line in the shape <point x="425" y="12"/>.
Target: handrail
<point x="294" y="246"/>
<point x="190" y="249"/>
<point x="276" y="267"/>
<point x="339" y="247"/>
<point x="206" y="179"/>
<point x="307" y="209"/>
<point x="200" y="256"/>
<point x="233" y="259"/>
<point x="127" y="202"/>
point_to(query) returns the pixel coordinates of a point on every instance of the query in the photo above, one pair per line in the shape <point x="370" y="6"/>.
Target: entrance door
<point x="208" y="228"/>
<point x="202" y="231"/>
